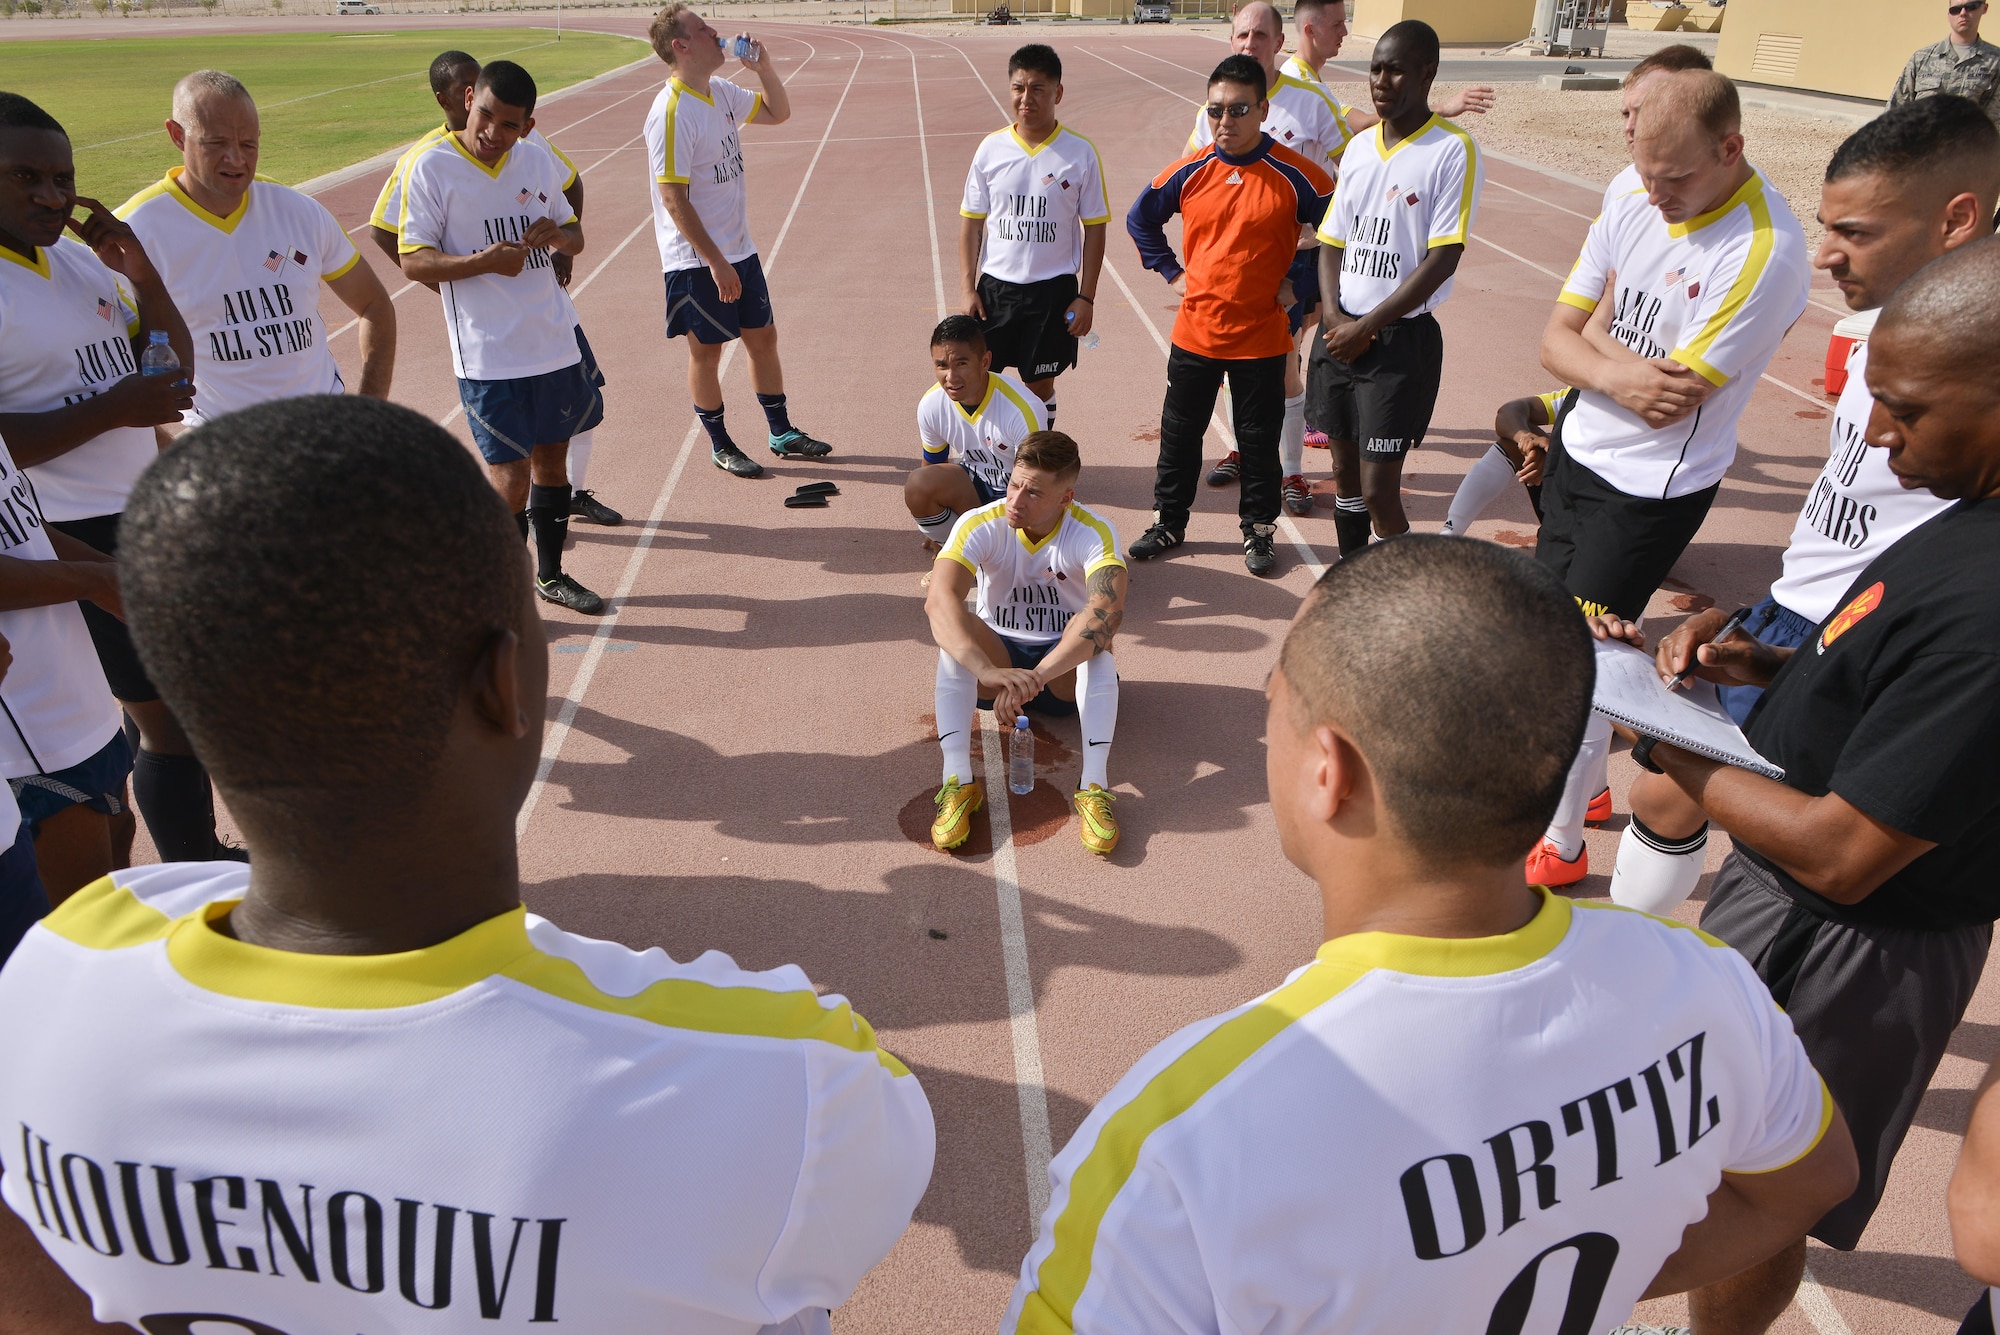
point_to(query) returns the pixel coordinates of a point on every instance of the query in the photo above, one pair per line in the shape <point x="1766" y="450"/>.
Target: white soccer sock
<point x="1292" y="437"/>
<point x="938" y="527"/>
<point x="579" y="457"/>
<point x="1097" y="712"/>
<point x="1566" y="830"/>
<point x="1654" y="873"/>
<point x="1049" y="411"/>
<point x="957" y="701"/>
<point x="1491" y="473"/>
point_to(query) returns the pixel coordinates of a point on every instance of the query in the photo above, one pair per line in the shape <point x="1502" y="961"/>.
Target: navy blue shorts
<point x="23" y="901"/>
<point x="696" y="309"/>
<point x="1777" y="626"/>
<point x="595" y="417"/>
<point x="1304" y="274"/>
<point x="97" y="783"/>
<point x="986" y="493"/>
<point x="510" y="417"/>
<point x="1026" y="654"/>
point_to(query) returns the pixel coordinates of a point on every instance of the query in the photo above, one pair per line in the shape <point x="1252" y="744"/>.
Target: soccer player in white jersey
<point x="1051" y="596"/>
<point x="1402" y="215"/>
<point x="1638" y="81"/>
<point x="452" y="74"/>
<point x="1478" y="1099"/>
<point x="80" y="419"/>
<point x="1917" y="181"/>
<point x="453" y="1114"/>
<point x="244" y="259"/>
<point x="968" y="425"/>
<point x="481" y="213"/>
<point x="1031" y="243"/>
<point x="1711" y="272"/>
<point x="716" y="291"/>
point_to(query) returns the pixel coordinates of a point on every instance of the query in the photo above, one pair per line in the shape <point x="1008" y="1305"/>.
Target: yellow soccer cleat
<point x="955" y="803"/>
<point x="1100" y="827"/>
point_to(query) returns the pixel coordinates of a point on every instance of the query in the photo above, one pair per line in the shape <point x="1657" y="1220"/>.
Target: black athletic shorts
<point x="1384" y="398"/>
<point x="120" y="661"/>
<point x="1873" y="1005"/>
<point x="1025" y="325"/>
<point x="1609" y="549"/>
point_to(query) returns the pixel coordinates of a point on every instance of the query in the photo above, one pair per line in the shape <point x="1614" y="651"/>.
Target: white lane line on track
<point x="1812" y="1300"/>
<point x="1023" y="1031"/>
<point x="558" y="733"/>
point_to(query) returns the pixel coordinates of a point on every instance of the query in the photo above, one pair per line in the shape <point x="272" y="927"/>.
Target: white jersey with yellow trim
<point x="517" y="1127"/>
<point x="248" y="286"/>
<point x="501" y="328"/>
<point x="388" y="214"/>
<point x="1716" y="294"/>
<point x="1393" y="206"/>
<point x="980" y="440"/>
<point x="1304" y="116"/>
<point x="66" y="329"/>
<point x="1626" y="182"/>
<point x="1028" y="591"/>
<point x="695" y="139"/>
<point x="1296" y="68"/>
<point x="1420" y="1134"/>
<point x="1035" y="203"/>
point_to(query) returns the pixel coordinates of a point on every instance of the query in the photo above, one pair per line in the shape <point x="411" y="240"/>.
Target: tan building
<point x="1487" y="21"/>
<point x="1827" y="46"/>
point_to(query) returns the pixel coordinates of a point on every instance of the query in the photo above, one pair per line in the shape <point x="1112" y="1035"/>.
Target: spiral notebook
<point x="1629" y="691"/>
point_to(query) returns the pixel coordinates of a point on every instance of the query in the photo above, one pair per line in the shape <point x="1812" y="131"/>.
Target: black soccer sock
<point x="521" y="518"/>
<point x="1351" y="525"/>
<point x="1535" y="500"/>
<point x="1049" y="411"/>
<point x="718" y="434"/>
<point x="174" y="798"/>
<point x="548" y="513"/>
<point x="775" y="415"/>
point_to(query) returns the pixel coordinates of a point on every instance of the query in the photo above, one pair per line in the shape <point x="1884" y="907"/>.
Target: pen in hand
<point x="1729" y="627"/>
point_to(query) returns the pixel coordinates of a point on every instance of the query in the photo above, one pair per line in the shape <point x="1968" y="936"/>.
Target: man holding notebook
<point x="1861" y="887"/>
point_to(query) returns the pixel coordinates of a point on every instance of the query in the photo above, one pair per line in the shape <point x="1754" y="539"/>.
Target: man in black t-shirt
<point x="1862" y="887"/>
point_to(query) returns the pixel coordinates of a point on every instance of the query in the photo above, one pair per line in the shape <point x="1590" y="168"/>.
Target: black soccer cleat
<point x="584" y="505"/>
<point x="732" y="460"/>
<point x="796" y="444"/>
<point x="564" y="591"/>
<point x="1260" y="552"/>
<point x="1152" y="542"/>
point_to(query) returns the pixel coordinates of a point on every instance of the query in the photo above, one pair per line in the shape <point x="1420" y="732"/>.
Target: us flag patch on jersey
<point x="104" y="310"/>
<point x="1672" y="276"/>
<point x="274" y="261"/>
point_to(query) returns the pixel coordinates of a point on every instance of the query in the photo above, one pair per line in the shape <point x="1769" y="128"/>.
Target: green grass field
<point x="326" y="99"/>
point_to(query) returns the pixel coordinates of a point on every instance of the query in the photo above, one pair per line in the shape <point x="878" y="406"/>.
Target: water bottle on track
<point x="159" y="357"/>
<point x="1021" y="759"/>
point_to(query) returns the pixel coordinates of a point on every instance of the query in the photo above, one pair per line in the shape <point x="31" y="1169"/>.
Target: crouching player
<point x="969" y="425"/>
<point x="1051" y="596"/>
<point x="1520" y="453"/>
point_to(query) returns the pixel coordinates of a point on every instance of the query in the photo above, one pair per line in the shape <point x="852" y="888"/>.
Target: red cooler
<point x="1849" y="332"/>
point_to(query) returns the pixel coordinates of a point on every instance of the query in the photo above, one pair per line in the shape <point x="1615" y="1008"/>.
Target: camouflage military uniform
<point x="1939" y="69"/>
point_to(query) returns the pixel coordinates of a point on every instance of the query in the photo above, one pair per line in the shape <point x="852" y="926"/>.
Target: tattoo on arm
<point x="1105" y="611"/>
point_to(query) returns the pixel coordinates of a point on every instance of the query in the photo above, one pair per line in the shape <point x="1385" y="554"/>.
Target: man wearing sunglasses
<point x="1961" y="64"/>
<point x="1242" y="200"/>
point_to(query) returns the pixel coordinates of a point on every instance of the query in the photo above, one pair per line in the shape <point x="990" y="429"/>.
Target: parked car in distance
<point x="344" y="7"/>
<point x="1152" y="11"/>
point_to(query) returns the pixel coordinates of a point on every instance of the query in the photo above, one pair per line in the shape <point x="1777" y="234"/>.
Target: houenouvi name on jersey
<point x="501" y="328"/>
<point x="1418" y="1134"/>
<point x="980" y="440"/>
<point x="1854" y="512"/>
<point x="516" y="1129"/>
<point x="1035" y="203"/>
<point x="1393" y="206"/>
<point x="1027" y="590"/>
<point x="248" y="286"/>
<point x="66" y="324"/>
<point x="694" y="138"/>
<point x="1304" y="116"/>
<point x="1716" y="294"/>
<point x="55" y="708"/>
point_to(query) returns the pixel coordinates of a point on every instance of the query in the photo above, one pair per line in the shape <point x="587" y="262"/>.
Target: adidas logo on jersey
<point x="1234" y="178"/>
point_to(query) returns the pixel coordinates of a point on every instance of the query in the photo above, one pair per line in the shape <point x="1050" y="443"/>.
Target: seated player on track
<point x="969" y="424"/>
<point x="431" y="1098"/>
<point x="1051" y="597"/>
<point x="1479" y="1099"/>
<point x="1519" y="453"/>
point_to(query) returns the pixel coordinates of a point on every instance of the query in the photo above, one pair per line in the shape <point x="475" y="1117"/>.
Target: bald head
<point x="1689" y="101"/>
<point x="1260" y="15"/>
<point x="1951" y="305"/>
<point x="1399" y="647"/>
<point x="202" y="94"/>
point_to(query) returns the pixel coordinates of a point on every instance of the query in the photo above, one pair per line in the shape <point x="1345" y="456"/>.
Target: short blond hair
<point x="666" y="26"/>
<point x="1698" y="97"/>
<point x="195" y="88"/>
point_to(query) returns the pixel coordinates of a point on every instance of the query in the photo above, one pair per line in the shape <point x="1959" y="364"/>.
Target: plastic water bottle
<point x="1089" y="341"/>
<point x="742" y="48"/>
<point x="1021" y="759"/>
<point x="158" y="358"/>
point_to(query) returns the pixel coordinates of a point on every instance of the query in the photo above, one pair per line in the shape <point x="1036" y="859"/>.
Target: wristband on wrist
<point x="1642" y="755"/>
<point x="1091" y="300"/>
